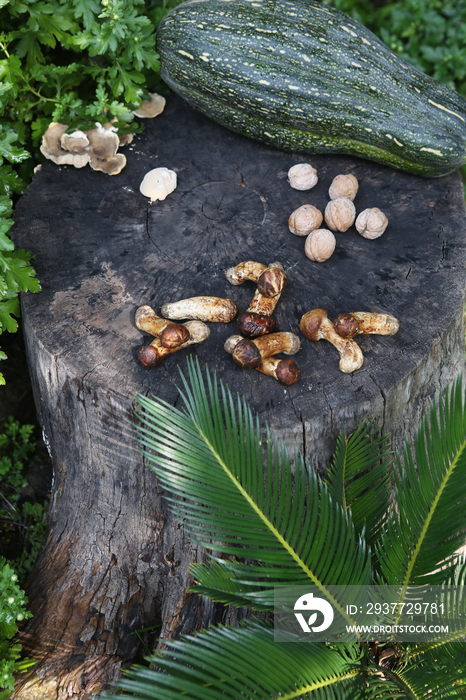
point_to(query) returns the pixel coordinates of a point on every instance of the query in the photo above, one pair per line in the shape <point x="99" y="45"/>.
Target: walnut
<point x="344" y="186"/>
<point x="302" y="176"/>
<point x="304" y="220"/>
<point x="319" y="245"/>
<point x="371" y="223"/>
<point x="340" y="214"/>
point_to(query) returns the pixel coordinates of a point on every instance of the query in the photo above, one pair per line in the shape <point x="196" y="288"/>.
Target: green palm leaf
<point x="428" y="522"/>
<point x="435" y="675"/>
<point x="240" y="499"/>
<point x="232" y="662"/>
<point x="359" y="479"/>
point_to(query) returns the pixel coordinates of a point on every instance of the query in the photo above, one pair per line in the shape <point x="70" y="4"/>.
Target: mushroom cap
<point x="174" y="335"/>
<point x="304" y="220"/>
<point x="253" y="325"/>
<point x="246" y="354"/>
<point x="302" y="176"/>
<point x="149" y="357"/>
<point x="371" y="223"/>
<point x="158" y="184"/>
<point x="346" y="325"/>
<point x="311" y="323"/>
<point x="344" y="186"/>
<point x="340" y="214"/>
<point x="271" y="282"/>
<point x="319" y="245"/>
<point x="150" y="108"/>
<point x="287" y="371"/>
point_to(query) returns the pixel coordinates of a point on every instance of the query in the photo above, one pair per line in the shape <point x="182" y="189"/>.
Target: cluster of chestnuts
<point x="258" y="343"/>
<point x="339" y="214"/>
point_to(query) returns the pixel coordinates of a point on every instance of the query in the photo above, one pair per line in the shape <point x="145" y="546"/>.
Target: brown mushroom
<point x="316" y="325"/>
<point x="250" y="353"/>
<point x="247" y="270"/>
<point x="103" y="146"/>
<point x="256" y="354"/>
<point x="152" y="355"/>
<point x="53" y="150"/>
<point x="365" y="322"/>
<point x="286" y="371"/>
<point x="150" y="108"/>
<point x="257" y="319"/>
<point x="213" y="309"/>
<point x="170" y="334"/>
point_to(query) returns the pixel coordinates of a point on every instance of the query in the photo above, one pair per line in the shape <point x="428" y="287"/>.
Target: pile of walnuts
<point x="339" y="214"/>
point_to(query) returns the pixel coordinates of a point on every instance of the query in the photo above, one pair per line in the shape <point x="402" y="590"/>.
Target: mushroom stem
<point x="257" y="319"/>
<point x="152" y="355"/>
<point x="286" y="371"/>
<point x="365" y="322"/>
<point x="170" y="334"/>
<point x="245" y="271"/>
<point x="316" y="325"/>
<point x="269" y="287"/>
<point x="147" y="320"/>
<point x="213" y="309"/>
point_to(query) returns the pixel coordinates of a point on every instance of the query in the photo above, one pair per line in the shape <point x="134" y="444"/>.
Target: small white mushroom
<point x="302" y="176"/>
<point x="158" y="184"/>
<point x="371" y="223"/>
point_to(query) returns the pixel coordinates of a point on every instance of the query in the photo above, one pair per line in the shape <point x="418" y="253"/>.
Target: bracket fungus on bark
<point x="97" y="146"/>
<point x="150" y="108"/>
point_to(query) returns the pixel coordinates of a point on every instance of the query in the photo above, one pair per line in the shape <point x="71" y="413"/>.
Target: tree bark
<point x="115" y="560"/>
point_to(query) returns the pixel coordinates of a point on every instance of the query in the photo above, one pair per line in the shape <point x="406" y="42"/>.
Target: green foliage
<point x="12" y="610"/>
<point x="23" y="524"/>
<point x="77" y="62"/>
<point x="239" y="495"/>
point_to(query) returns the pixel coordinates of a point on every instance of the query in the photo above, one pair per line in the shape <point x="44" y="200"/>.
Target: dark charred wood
<point x="115" y="560"/>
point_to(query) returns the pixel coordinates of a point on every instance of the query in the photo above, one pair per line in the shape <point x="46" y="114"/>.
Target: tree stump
<point x="115" y="560"/>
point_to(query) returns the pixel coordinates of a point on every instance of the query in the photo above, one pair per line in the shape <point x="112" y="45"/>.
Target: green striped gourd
<point x="305" y="77"/>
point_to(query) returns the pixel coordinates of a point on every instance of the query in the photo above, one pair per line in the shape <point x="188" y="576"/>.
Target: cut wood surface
<point x="115" y="560"/>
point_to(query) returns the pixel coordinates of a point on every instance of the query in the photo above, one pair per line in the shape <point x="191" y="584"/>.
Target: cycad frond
<point x="428" y="523"/>
<point x="241" y="500"/>
<point x="233" y="662"/>
<point x="435" y="675"/>
<point x="358" y="479"/>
